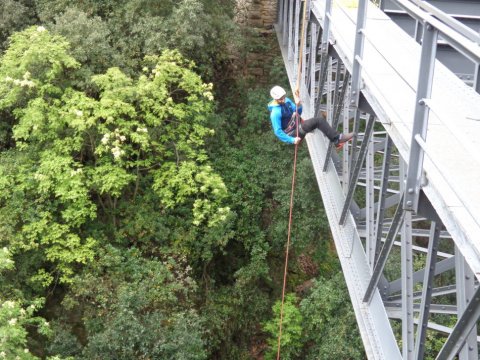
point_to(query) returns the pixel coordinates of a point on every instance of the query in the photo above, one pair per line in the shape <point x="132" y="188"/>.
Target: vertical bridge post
<point x="420" y="121"/>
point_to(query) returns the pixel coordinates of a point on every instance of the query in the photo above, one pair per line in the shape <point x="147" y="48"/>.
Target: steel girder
<point x="467" y="12"/>
<point x="374" y="198"/>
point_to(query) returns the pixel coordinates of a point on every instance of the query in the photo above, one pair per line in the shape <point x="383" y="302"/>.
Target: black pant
<point x="309" y="125"/>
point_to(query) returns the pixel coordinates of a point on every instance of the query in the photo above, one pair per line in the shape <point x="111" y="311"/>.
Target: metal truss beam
<point x="425" y="304"/>
<point x="462" y="329"/>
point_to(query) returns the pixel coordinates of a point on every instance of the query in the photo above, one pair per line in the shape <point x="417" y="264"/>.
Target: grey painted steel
<point x="476" y="81"/>
<point x="462" y="329"/>
<point x="441" y="267"/>
<point x="394" y="306"/>
<point x="387" y="247"/>
<point x="326" y="24"/>
<point x="296" y="39"/>
<point x="466" y="46"/>
<point x="418" y="31"/>
<point x="338" y="104"/>
<point x="314" y="48"/>
<point x="381" y="5"/>
<point x="370" y="241"/>
<point x="358" y="50"/>
<point x="331" y="116"/>
<point x="346" y="153"/>
<point x="325" y="59"/>
<point x="465" y="289"/>
<point x="466" y="22"/>
<point x="386" y="202"/>
<point x="356" y="127"/>
<point x="372" y="319"/>
<point x="448" y="20"/>
<point x="383" y="195"/>
<point x="427" y="291"/>
<point x="463" y="67"/>
<point x="324" y="54"/>
<point x="284" y="20"/>
<point x="358" y="164"/>
<point x="417" y="249"/>
<point x="304" y="72"/>
<point x="407" y="287"/>
<point x="419" y="233"/>
<point x="355" y="101"/>
<point x="420" y="121"/>
<point x="395" y="313"/>
<point x="352" y="227"/>
<point x="291" y="28"/>
<point x="453" y="8"/>
<point x="440" y="291"/>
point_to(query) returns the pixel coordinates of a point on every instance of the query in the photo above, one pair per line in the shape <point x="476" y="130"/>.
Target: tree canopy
<point x="143" y="196"/>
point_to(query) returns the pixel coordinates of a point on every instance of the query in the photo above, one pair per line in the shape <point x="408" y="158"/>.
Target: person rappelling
<point x="283" y="115"/>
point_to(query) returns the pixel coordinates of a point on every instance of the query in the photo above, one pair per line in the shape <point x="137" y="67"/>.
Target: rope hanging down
<point x="297" y="119"/>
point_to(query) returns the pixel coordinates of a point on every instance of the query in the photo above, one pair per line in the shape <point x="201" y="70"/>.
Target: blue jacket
<point x="280" y="115"/>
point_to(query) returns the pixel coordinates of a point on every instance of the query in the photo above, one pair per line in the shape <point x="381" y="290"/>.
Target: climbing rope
<point x="297" y="120"/>
<point x="288" y="243"/>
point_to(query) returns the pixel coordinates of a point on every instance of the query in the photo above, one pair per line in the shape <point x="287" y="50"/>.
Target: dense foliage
<point x="143" y="197"/>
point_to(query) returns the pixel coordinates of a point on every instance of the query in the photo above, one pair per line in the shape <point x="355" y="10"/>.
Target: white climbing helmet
<point x="277" y="92"/>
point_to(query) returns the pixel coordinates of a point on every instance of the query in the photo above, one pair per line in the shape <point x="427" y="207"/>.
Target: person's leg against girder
<point x="322" y="124"/>
<point x="319" y="123"/>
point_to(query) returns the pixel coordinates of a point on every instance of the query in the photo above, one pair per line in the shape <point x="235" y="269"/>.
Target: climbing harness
<point x="297" y="123"/>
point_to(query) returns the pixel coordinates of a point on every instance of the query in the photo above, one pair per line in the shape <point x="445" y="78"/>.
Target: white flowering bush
<point x="14" y="319"/>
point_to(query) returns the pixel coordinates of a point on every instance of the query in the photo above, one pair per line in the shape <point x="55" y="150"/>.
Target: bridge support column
<point x="407" y="288"/>
<point x="420" y="121"/>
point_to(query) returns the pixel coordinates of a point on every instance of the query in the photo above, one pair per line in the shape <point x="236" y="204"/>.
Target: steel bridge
<point x="403" y="199"/>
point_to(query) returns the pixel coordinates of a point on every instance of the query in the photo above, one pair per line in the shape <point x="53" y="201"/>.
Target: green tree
<point x="124" y="169"/>
<point x="90" y="42"/>
<point x="136" y="308"/>
<point x="330" y="330"/>
<point x="78" y="158"/>
<point x="200" y="29"/>
<point x="15" y="318"/>
<point x="291" y="340"/>
<point x="14" y="16"/>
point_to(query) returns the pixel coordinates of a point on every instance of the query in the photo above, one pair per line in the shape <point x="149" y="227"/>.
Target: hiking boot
<point x="342" y="139"/>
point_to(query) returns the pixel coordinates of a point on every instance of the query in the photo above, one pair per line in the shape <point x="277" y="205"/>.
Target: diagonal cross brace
<point x="427" y="290"/>
<point x="325" y="57"/>
<point x="356" y="170"/>
<point x="462" y="329"/>
<point x="387" y="247"/>
<point x="383" y="194"/>
<point x="336" y="114"/>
